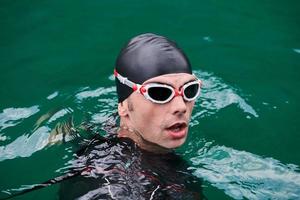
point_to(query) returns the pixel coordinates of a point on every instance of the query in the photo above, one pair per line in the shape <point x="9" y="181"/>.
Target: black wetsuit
<point x="116" y="168"/>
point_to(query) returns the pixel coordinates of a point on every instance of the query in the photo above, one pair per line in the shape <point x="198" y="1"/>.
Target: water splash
<point x="245" y="175"/>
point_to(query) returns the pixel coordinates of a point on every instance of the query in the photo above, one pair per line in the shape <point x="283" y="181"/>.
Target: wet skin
<point x="157" y="127"/>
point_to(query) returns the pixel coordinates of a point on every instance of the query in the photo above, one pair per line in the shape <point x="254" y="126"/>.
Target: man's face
<point x="165" y="125"/>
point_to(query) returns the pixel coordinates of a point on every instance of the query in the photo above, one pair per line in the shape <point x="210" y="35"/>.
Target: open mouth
<point x="177" y="130"/>
<point x="177" y="127"/>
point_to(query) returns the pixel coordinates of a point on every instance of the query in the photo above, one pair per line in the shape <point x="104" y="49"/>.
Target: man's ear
<point x="123" y="108"/>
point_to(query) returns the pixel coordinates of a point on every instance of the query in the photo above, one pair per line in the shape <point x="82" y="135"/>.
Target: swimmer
<point x="156" y="94"/>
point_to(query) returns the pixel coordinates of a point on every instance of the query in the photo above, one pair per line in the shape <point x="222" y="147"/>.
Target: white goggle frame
<point x="143" y="89"/>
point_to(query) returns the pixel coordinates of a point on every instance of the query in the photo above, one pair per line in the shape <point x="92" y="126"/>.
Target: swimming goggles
<point x="162" y="93"/>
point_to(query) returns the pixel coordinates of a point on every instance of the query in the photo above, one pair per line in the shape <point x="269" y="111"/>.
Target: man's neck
<point x="124" y="131"/>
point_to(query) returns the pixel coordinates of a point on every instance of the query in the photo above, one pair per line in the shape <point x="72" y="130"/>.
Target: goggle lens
<point x="191" y="91"/>
<point x="163" y="93"/>
<point x="159" y="93"/>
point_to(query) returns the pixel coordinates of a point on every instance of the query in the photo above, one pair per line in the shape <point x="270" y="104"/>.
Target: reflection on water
<point x="239" y="174"/>
<point x="297" y="50"/>
<point x="216" y="95"/>
<point x="12" y="116"/>
<point x="245" y="175"/>
<point x="53" y="95"/>
<point x="25" y="145"/>
<point x="94" y="93"/>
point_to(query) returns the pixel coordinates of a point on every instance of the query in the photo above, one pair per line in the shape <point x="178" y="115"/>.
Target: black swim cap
<point x="146" y="56"/>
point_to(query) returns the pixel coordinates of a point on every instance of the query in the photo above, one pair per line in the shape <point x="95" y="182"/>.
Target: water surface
<point x="56" y="68"/>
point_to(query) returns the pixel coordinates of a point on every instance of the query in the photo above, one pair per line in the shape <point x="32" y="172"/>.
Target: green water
<point x="57" y="58"/>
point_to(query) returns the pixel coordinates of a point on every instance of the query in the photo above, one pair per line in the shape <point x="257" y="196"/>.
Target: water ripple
<point x="60" y="113"/>
<point x="245" y="175"/>
<point x="94" y="93"/>
<point x="297" y="50"/>
<point x="53" y="95"/>
<point x="25" y="145"/>
<point x="13" y="116"/>
<point x="216" y="95"/>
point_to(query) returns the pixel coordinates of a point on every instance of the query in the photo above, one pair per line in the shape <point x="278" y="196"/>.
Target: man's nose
<point x="178" y="105"/>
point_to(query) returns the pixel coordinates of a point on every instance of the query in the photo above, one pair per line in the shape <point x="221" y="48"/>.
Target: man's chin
<point x="175" y="143"/>
<point x="176" y="138"/>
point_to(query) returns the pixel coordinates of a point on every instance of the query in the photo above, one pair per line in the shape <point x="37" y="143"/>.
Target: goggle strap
<point x="125" y="81"/>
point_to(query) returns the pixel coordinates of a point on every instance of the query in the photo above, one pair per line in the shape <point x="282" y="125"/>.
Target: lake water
<point x="56" y="64"/>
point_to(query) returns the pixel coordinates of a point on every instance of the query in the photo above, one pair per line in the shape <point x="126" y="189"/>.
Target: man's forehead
<point x="172" y="79"/>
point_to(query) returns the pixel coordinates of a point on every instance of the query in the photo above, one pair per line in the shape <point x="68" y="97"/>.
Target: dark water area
<point x="56" y="64"/>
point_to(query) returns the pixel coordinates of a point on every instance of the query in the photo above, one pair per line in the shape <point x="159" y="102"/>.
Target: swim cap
<point x="146" y="56"/>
